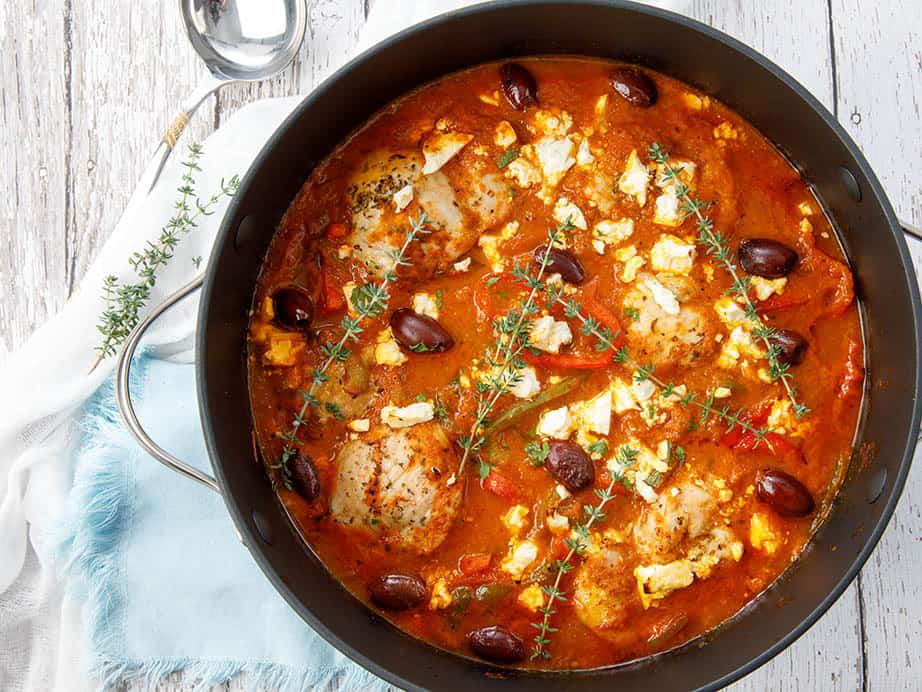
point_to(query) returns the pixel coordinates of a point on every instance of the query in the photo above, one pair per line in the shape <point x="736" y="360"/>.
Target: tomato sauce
<point x="687" y="540"/>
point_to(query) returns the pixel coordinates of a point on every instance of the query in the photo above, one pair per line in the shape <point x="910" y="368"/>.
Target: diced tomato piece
<point x="334" y="299"/>
<point x="501" y="486"/>
<point x="474" y="563"/>
<point x="337" y="231"/>
<point x="569" y="361"/>
<point x="742" y="439"/>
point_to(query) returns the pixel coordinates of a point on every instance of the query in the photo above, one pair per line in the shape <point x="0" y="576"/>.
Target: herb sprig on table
<point x="124" y="302"/>
<point x="717" y="246"/>
<point x="368" y="300"/>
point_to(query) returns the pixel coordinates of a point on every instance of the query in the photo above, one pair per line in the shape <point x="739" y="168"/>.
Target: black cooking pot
<point x="718" y="65"/>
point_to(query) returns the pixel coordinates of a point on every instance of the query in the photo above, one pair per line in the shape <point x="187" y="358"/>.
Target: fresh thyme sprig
<point x="577" y="543"/>
<point x="505" y="360"/>
<point x="368" y="300"/>
<point x="123" y="302"/>
<point x="717" y="246"/>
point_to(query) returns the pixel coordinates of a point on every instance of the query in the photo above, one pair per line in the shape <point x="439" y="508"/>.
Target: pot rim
<point x="226" y="231"/>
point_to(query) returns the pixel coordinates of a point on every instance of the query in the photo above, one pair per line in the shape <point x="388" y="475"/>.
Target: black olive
<point x="419" y="333"/>
<point x="561" y="262"/>
<point x="293" y="308"/>
<point x="634" y="86"/>
<point x="783" y="493"/>
<point x="569" y="464"/>
<point x="304" y="478"/>
<point x="519" y="86"/>
<point x="398" y="591"/>
<point x="767" y="258"/>
<point x="496" y="643"/>
<point x="791" y="345"/>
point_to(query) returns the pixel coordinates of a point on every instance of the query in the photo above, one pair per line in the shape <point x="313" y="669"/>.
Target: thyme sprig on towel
<point x="124" y="302"/>
<point x="577" y="543"/>
<point x="505" y="357"/>
<point x="368" y="300"/>
<point x="717" y="246"/>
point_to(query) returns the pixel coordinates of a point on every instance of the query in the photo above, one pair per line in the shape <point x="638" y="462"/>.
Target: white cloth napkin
<point x="46" y="381"/>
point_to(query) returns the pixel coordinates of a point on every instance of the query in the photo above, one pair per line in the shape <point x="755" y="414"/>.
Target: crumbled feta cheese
<point x="555" y="156"/>
<point x="283" y="349"/>
<point x="425" y="304"/>
<point x="663" y="296"/>
<point x="490" y="99"/>
<point x="673" y="255"/>
<point x="805" y="208"/>
<point x="695" y="102"/>
<point x="622" y="396"/>
<point x="730" y="312"/>
<point x="556" y="424"/>
<point x="594" y="415"/>
<point x="686" y="173"/>
<point x="343" y="251"/>
<point x="565" y="211"/>
<point x="490" y="245"/>
<point x="462" y="266"/>
<point x="601" y="106"/>
<point x="764" y="288"/>
<point x="662" y="450"/>
<point x="505" y="134"/>
<point x="726" y="131"/>
<point x="655" y="582"/>
<point x="519" y="559"/>
<point x="623" y="254"/>
<point x="630" y="269"/>
<point x="562" y="492"/>
<point x="406" y="416"/>
<point x="583" y="155"/>
<point x="635" y="178"/>
<point x="553" y="123"/>
<point x="531" y="597"/>
<point x="642" y="390"/>
<point x="668" y="210"/>
<point x="611" y="233"/>
<point x="359" y="425"/>
<point x="514" y="518"/>
<point x="548" y="334"/>
<point x="783" y="419"/>
<point x="441" y="596"/>
<point x="722" y="393"/>
<point x="761" y="536"/>
<point x="557" y="523"/>
<point x="403" y="197"/>
<point x="348" y="288"/>
<point x="387" y="350"/>
<point x="738" y="344"/>
<point x="441" y="148"/>
<point x="522" y="172"/>
<point x="527" y="385"/>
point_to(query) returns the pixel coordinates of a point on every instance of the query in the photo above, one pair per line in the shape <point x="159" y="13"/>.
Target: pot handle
<point x="912" y="231"/>
<point x="123" y="395"/>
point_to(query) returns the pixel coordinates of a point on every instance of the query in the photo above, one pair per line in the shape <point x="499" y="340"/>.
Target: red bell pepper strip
<point x="501" y="486"/>
<point x="738" y="438"/>
<point x="568" y="361"/>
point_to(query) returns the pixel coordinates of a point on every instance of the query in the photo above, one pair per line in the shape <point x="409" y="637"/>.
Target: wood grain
<point x="879" y="61"/>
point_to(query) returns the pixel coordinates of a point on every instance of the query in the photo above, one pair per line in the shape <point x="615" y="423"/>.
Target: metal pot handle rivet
<point x="123" y="395"/>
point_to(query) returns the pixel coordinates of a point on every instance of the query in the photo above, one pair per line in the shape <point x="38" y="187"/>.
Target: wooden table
<point x="86" y="85"/>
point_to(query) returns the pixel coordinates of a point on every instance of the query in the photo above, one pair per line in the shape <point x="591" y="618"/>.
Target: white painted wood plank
<point x="878" y="50"/>
<point x="34" y="148"/>
<point x="132" y="67"/>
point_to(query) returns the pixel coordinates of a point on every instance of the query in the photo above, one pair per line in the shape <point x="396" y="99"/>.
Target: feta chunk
<point x="555" y="156"/>
<point x="490" y="245"/>
<point x="583" y="155"/>
<point x="673" y="255"/>
<point x="622" y="396"/>
<point x="686" y="171"/>
<point x="387" y="350"/>
<point x="761" y="536"/>
<point x="406" y="416"/>
<point x="528" y="384"/>
<point x="359" y="425"/>
<point x="505" y="134"/>
<point x="519" y="559"/>
<point x="722" y="393"/>
<point x="403" y="197"/>
<point x="547" y="334"/>
<point x="439" y="149"/>
<point x="635" y="178"/>
<point x="730" y="312"/>
<point x="531" y="597"/>
<point x="668" y="210"/>
<point x="462" y="266"/>
<point x="565" y="211"/>
<point x="642" y="390"/>
<point x="663" y="296"/>
<point x="764" y="288"/>
<point x="515" y="518"/>
<point x="523" y="173"/>
<point x="441" y="596"/>
<point x="556" y="424"/>
<point x="425" y="304"/>
<point x="348" y="288"/>
<point x="557" y="523"/>
<point x="611" y="233"/>
<point x="630" y="269"/>
<point x="726" y="131"/>
<point x="594" y="415"/>
<point x="655" y="582"/>
<point x="555" y="124"/>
